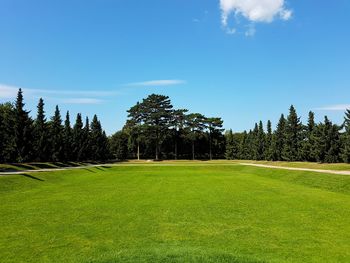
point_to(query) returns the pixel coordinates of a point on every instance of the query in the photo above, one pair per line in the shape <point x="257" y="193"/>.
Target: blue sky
<point x="243" y="62"/>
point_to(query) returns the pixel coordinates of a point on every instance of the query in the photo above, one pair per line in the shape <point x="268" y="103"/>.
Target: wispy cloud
<point x="337" y="107"/>
<point x="157" y="83"/>
<point x="9" y="92"/>
<point x="82" y="101"/>
<point x="252" y="11"/>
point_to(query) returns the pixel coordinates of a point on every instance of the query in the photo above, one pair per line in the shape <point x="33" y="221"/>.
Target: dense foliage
<point x="23" y="139"/>
<point x="154" y="129"/>
<point x="293" y="141"/>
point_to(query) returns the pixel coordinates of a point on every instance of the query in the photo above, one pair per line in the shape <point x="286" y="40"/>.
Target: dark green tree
<point x="232" y="148"/>
<point x="67" y="139"/>
<point x="214" y="126"/>
<point x="293" y="137"/>
<point x="86" y="143"/>
<point x="119" y="145"/>
<point x="41" y="135"/>
<point x="346" y="148"/>
<point x="8" y="151"/>
<point x="178" y="120"/>
<point x="280" y="138"/>
<point x="134" y="128"/>
<point x="99" y="141"/>
<point x="56" y="136"/>
<point x="23" y="130"/>
<point x="308" y="144"/>
<point x="260" y="142"/>
<point x="243" y="147"/>
<point x="78" y="139"/>
<point x="156" y="114"/>
<point x="268" y="144"/>
<point x="195" y="124"/>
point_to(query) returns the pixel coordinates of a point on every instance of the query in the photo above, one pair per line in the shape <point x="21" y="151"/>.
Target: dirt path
<point x="174" y="164"/>
<point x="297" y="169"/>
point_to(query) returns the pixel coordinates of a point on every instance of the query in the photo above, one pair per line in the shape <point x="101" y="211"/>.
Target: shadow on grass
<point x="32" y="177"/>
<point x="89" y="170"/>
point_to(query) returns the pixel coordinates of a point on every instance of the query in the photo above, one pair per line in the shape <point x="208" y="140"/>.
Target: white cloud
<point x="82" y="101"/>
<point x="7" y="92"/>
<point x="157" y="83"/>
<point x="337" y="107"/>
<point x="10" y="92"/>
<point x="254" y="11"/>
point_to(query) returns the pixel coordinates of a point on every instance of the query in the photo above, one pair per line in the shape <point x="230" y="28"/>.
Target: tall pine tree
<point x="23" y="130"/>
<point x="346" y="148"/>
<point x="56" y="136"/>
<point x="78" y="139"/>
<point x="293" y="133"/>
<point x="67" y="139"/>
<point x="41" y="134"/>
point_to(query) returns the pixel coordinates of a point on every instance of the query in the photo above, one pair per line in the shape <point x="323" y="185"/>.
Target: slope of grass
<point x="17" y="167"/>
<point x="183" y="213"/>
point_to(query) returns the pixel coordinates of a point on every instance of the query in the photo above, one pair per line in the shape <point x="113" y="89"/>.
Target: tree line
<point x="292" y="141"/>
<point x="23" y="139"/>
<point x="154" y="129"/>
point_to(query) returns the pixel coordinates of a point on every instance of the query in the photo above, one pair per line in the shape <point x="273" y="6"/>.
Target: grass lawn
<point x="182" y="213"/>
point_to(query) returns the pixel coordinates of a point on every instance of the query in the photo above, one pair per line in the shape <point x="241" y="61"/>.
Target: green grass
<point x="182" y="213"/>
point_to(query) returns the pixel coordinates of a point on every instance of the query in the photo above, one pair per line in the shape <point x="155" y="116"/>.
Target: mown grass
<point x="182" y="213"/>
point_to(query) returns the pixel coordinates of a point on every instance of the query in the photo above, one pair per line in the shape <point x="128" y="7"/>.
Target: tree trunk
<point x="176" y="150"/>
<point x="157" y="141"/>
<point x="192" y="150"/>
<point x="138" y="151"/>
<point x="210" y="153"/>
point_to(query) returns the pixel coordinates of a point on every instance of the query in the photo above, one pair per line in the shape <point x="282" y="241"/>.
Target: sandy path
<point x="174" y="164"/>
<point x="297" y="169"/>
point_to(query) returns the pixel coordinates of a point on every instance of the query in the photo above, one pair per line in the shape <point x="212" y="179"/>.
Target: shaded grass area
<point x="16" y="167"/>
<point x="208" y="213"/>
<point x="322" y="166"/>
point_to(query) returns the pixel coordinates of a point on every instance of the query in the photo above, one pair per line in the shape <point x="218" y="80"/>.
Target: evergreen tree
<point x="260" y="142"/>
<point x="280" y="138"/>
<point x="99" y="141"/>
<point x="156" y="114"/>
<point x="268" y="146"/>
<point x="67" y="139"/>
<point x="56" y="136"/>
<point x="177" y="123"/>
<point x="8" y="152"/>
<point x="346" y="148"/>
<point x="255" y="142"/>
<point x="78" y="139"/>
<point x="214" y="126"/>
<point x="41" y="135"/>
<point x="293" y="133"/>
<point x="243" y="148"/>
<point x="134" y="128"/>
<point x="327" y="142"/>
<point x="86" y="148"/>
<point x="23" y="130"/>
<point x="119" y="145"/>
<point x="231" y="146"/>
<point x="195" y="126"/>
<point x="308" y="145"/>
